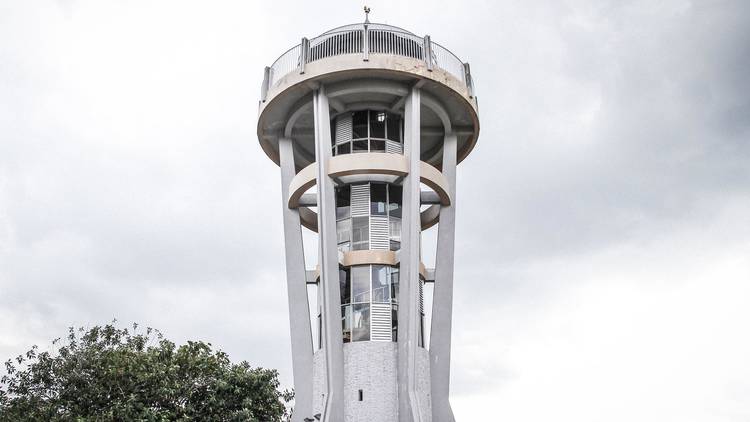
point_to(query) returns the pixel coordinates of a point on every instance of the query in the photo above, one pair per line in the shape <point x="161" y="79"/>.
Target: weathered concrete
<point x="442" y="297"/>
<point x="408" y="311"/>
<point x="299" y="313"/>
<point x="329" y="265"/>
<point x="371" y="367"/>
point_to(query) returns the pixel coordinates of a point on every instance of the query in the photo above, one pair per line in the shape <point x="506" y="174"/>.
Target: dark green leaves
<point x="107" y="373"/>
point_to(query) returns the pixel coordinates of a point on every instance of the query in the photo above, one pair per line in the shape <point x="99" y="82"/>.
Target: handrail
<point x="366" y="39"/>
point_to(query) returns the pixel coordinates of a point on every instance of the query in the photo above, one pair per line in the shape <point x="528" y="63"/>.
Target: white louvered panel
<point x="421" y="297"/>
<point x="393" y="147"/>
<point x="360" y="200"/>
<point x="344" y="129"/>
<point x="379" y="238"/>
<point x="380" y="322"/>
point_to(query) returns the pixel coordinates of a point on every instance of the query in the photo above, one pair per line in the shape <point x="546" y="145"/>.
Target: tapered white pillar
<point x="408" y="311"/>
<point x="299" y="311"/>
<point x="442" y="298"/>
<point x="333" y="410"/>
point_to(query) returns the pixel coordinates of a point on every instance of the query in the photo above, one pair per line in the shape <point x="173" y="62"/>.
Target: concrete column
<point x="329" y="264"/>
<point x="408" y="300"/>
<point x="442" y="298"/>
<point x="299" y="312"/>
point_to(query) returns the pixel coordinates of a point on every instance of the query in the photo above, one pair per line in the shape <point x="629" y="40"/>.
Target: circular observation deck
<point x="368" y="66"/>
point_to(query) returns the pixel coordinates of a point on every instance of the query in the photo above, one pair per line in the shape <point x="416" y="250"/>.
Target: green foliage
<point x="111" y="374"/>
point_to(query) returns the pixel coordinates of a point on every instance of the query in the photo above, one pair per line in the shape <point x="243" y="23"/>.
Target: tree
<point x="112" y="374"/>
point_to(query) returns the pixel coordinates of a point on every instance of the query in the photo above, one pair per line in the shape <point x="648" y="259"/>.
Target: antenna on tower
<point x="367" y="14"/>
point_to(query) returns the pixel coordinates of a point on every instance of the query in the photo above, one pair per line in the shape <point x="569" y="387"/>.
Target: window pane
<point x="380" y="290"/>
<point x="333" y="132"/>
<point x="377" y="124"/>
<point x="392" y="122"/>
<point x="359" y="146"/>
<point x="343" y="231"/>
<point x="346" y="322"/>
<point x="361" y="283"/>
<point x="360" y="233"/>
<point x="345" y="285"/>
<point x="343" y="201"/>
<point x="377" y="198"/>
<point x="360" y="322"/>
<point x="394" y="283"/>
<point x="377" y="146"/>
<point x="394" y="200"/>
<point x="394" y="226"/>
<point x="420" y="340"/>
<point x="394" y="323"/>
<point x="359" y="124"/>
<point x="345" y="148"/>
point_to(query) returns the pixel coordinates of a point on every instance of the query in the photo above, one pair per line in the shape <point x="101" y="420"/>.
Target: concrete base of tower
<point x="370" y="382"/>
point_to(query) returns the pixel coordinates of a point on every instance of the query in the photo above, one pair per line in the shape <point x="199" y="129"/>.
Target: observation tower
<point x="367" y="123"/>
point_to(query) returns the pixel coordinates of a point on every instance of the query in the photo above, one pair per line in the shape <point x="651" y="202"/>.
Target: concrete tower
<point x="368" y="122"/>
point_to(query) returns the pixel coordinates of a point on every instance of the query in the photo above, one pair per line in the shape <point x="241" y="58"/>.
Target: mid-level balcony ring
<point x="367" y="257"/>
<point x="368" y="164"/>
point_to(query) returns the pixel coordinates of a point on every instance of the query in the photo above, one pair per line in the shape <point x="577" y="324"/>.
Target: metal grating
<point x="380" y="322"/>
<point x="344" y="129"/>
<point x="421" y="297"/>
<point x="379" y="238"/>
<point x="393" y="147"/>
<point x="360" y="206"/>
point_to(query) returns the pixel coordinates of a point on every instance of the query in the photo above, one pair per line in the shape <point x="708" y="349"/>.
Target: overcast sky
<point x="602" y="275"/>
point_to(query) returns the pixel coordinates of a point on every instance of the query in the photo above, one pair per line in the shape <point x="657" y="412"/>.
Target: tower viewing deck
<point x="368" y="123"/>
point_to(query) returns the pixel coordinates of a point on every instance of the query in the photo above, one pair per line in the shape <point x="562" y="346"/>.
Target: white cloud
<point x="602" y="278"/>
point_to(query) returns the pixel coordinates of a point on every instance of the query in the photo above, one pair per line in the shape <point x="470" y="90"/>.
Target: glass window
<point x="378" y="198"/>
<point x="394" y="322"/>
<point x="360" y="233"/>
<point x="392" y="124"/>
<point x="394" y="226"/>
<point x="394" y="200"/>
<point x="343" y="231"/>
<point x="360" y="283"/>
<point x="345" y="148"/>
<point x="377" y="145"/>
<point x="345" y="285"/>
<point x="359" y="146"/>
<point x="420" y="340"/>
<point x="380" y="290"/>
<point x="359" y="124"/>
<point x="343" y="201"/>
<point x="394" y="283"/>
<point x="346" y="322"/>
<point x="360" y="322"/>
<point x="377" y="124"/>
<point x="333" y="133"/>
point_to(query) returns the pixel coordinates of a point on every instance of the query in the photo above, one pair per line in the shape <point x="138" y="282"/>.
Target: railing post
<point x="467" y="79"/>
<point x="266" y="82"/>
<point x="304" y="51"/>
<point x="428" y="52"/>
<point x="366" y="44"/>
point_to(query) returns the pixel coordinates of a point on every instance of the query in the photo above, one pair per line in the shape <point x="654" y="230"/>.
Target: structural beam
<point x="299" y="311"/>
<point x="442" y="299"/>
<point x="408" y="311"/>
<point x="333" y="410"/>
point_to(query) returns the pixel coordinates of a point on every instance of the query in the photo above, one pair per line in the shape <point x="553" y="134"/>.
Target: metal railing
<point x="366" y="39"/>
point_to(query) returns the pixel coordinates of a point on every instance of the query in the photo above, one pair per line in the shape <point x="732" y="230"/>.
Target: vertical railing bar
<point x="428" y="52"/>
<point x="304" y="47"/>
<point x="366" y="44"/>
